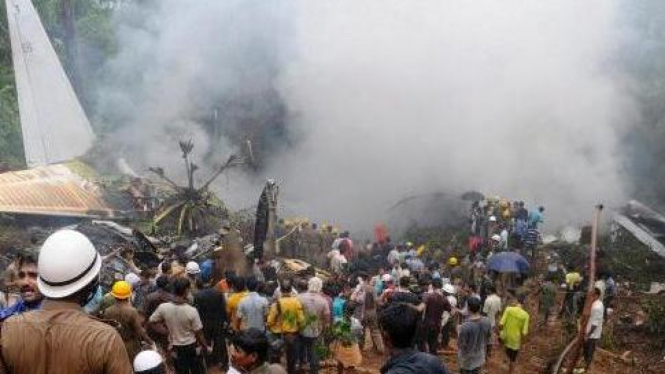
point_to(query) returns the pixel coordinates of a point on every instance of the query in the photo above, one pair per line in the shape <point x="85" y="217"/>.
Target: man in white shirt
<point x="448" y="318"/>
<point x="184" y="328"/>
<point x="594" y="329"/>
<point x="503" y="244"/>
<point x="491" y="308"/>
<point x="492" y="305"/>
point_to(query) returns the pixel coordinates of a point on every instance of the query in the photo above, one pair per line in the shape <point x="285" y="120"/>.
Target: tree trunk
<point x="71" y="48"/>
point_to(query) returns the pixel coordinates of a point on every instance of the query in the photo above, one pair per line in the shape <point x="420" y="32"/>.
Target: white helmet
<point x="147" y="360"/>
<point x="448" y="288"/>
<point x="68" y="262"/>
<point x="492" y="219"/>
<point x="192" y="268"/>
<point x="496" y="237"/>
<point x="133" y="279"/>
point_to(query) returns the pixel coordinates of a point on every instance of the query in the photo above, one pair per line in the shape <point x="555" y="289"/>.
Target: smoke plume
<point x="369" y="102"/>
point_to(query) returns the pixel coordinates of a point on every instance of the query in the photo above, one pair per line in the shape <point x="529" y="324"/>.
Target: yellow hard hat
<point x="420" y="250"/>
<point x="452" y="261"/>
<point x="121" y="290"/>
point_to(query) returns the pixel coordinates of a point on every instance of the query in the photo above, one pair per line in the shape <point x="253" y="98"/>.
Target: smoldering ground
<point x="365" y="103"/>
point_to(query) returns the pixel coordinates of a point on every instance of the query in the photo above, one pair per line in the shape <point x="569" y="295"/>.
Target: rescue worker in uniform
<point x="60" y="338"/>
<point x="131" y="330"/>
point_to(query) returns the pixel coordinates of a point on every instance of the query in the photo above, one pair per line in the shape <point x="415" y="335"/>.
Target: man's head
<point x="541" y="209"/>
<point x="127" y="253"/>
<point x="27" y="279"/>
<point x="301" y="285"/>
<point x="249" y="349"/>
<point x="229" y="274"/>
<point x="238" y="284"/>
<point x="398" y="325"/>
<point x="405" y="282"/>
<point x="315" y="284"/>
<point x="437" y="283"/>
<point x="285" y="287"/>
<point x="491" y="289"/>
<point x="596" y="294"/>
<point x="474" y="305"/>
<point x="473" y="288"/>
<point x="162" y="282"/>
<point x="252" y="284"/>
<point x="166" y="267"/>
<point x="519" y="298"/>
<point x="181" y="287"/>
<point x="512" y="296"/>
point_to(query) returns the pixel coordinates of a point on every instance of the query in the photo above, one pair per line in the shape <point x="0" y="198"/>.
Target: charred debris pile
<point x="150" y="217"/>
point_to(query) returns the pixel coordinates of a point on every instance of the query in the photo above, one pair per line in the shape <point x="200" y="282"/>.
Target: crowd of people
<point x="406" y="306"/>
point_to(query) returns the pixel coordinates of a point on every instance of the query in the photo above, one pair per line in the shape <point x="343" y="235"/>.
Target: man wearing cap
<point x="60" y="338"/>
<point x="447" y="317"/>
<point x="131" y="330"/>
<point x="315" y="306"/>
<point x="149" y="362"/>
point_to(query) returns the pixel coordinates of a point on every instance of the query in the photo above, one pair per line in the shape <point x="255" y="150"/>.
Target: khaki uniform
<point x="61" y="339"/>
<point x="130" y="327"/>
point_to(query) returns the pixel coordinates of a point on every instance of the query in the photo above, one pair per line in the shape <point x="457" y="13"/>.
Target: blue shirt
<point x="535" y="217"/>
<point x="521" y="227"/>
<point x="338" y="308"/>
<point x="18" y="308"/>
<point x="253" y="310"/>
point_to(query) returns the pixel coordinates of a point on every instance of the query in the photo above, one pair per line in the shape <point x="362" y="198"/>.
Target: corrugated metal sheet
<point x="51" y="190"/>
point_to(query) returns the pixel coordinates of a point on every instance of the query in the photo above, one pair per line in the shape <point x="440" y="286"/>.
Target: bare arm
<point x="201" y="339"/>
<point x="141" y="331"/>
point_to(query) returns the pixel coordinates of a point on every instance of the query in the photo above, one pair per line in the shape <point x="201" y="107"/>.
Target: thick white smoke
<point x="395" y="98"/>
<point x="401" y="97"/>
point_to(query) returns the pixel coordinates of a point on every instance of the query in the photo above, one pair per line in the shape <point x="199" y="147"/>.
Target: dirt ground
<point x="547" y="340"/>
<point x="541" y="348"/>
